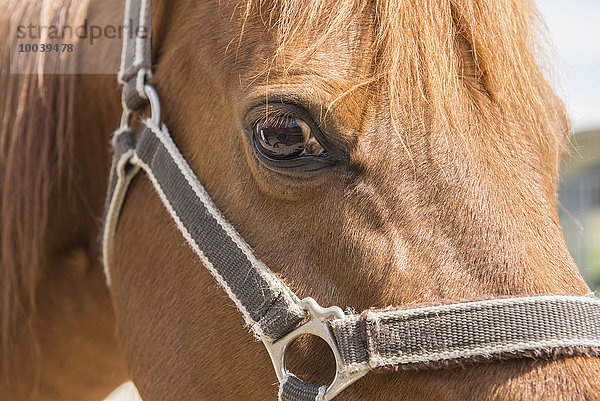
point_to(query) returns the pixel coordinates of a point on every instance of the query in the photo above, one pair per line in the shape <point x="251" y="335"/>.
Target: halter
<point x="493" y="329"/>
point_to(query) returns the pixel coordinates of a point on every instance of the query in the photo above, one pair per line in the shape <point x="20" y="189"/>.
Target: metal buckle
<point x="317" y="326"/>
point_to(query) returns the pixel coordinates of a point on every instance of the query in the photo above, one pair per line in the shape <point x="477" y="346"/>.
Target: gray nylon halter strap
<point x="268" y="306"/>
<point x="136" y="55"/>
<point x="482" y="330"/>
<point x="490" y="329"/>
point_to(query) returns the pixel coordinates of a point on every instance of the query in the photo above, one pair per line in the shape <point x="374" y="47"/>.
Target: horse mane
<point x="36" y="152"/>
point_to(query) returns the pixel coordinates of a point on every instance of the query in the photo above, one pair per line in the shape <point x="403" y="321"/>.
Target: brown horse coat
<point x="452" y="136"/>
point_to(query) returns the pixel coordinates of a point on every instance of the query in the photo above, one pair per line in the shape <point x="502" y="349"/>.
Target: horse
<point x="442" y="138"/>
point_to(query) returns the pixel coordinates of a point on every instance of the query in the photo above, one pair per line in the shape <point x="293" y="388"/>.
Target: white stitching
<point x="479" y="305"/>
<point x="141" y="41"/>
<point x="114" y="209"/>
<point x="274" y="282"/>
<point x="378" y="361"/>
<point x="321" y="395"/>
<point x="126" y="39"/>
<point x="280" y="392"/>
<point x="140" y="81"/>
<point x="205" y="261"/>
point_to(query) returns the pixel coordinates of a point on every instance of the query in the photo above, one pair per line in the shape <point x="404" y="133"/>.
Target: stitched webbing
<point x="267" y="305"/>
<point x="492" y="329"/>
<point x="294" y="389"/>
<point x="136" y="55"/>
<point x="121" y="174"/>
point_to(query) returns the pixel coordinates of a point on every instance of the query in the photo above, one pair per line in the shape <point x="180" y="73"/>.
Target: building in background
<point x="575" y="35"/>
<point x="579" y="203"/>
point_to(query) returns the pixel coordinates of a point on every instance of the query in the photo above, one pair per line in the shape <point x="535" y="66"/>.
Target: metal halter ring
<point x="154" y="104"/>
<point x="317" y="326"/>
<point x="155" y="112"/>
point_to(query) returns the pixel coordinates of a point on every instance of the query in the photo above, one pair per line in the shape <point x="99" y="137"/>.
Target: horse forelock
<point x="457" y="55"/>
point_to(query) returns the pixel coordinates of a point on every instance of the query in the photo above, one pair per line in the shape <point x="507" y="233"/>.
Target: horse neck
<point x="64" y="338"/>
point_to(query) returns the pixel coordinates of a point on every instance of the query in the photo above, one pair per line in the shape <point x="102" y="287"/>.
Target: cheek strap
<point x="269" y="307"/>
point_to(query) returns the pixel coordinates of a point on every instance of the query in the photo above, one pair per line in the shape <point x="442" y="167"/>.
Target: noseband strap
<point x="494" y="329"/>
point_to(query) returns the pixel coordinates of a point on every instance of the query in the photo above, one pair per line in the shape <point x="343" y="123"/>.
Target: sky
<point x="574" y="27"/>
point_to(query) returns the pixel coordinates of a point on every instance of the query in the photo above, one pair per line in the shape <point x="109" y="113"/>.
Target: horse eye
<point x="285" y="137"/>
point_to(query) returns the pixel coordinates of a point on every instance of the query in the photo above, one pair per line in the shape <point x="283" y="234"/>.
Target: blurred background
<point x="574" y="28"/>
<point x="575" y="35"/>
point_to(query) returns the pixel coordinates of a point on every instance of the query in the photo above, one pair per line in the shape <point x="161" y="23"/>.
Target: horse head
<point x="371" y="154"/>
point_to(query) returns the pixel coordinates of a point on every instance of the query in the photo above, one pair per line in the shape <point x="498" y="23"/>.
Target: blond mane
<point x="36" y="148"/>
